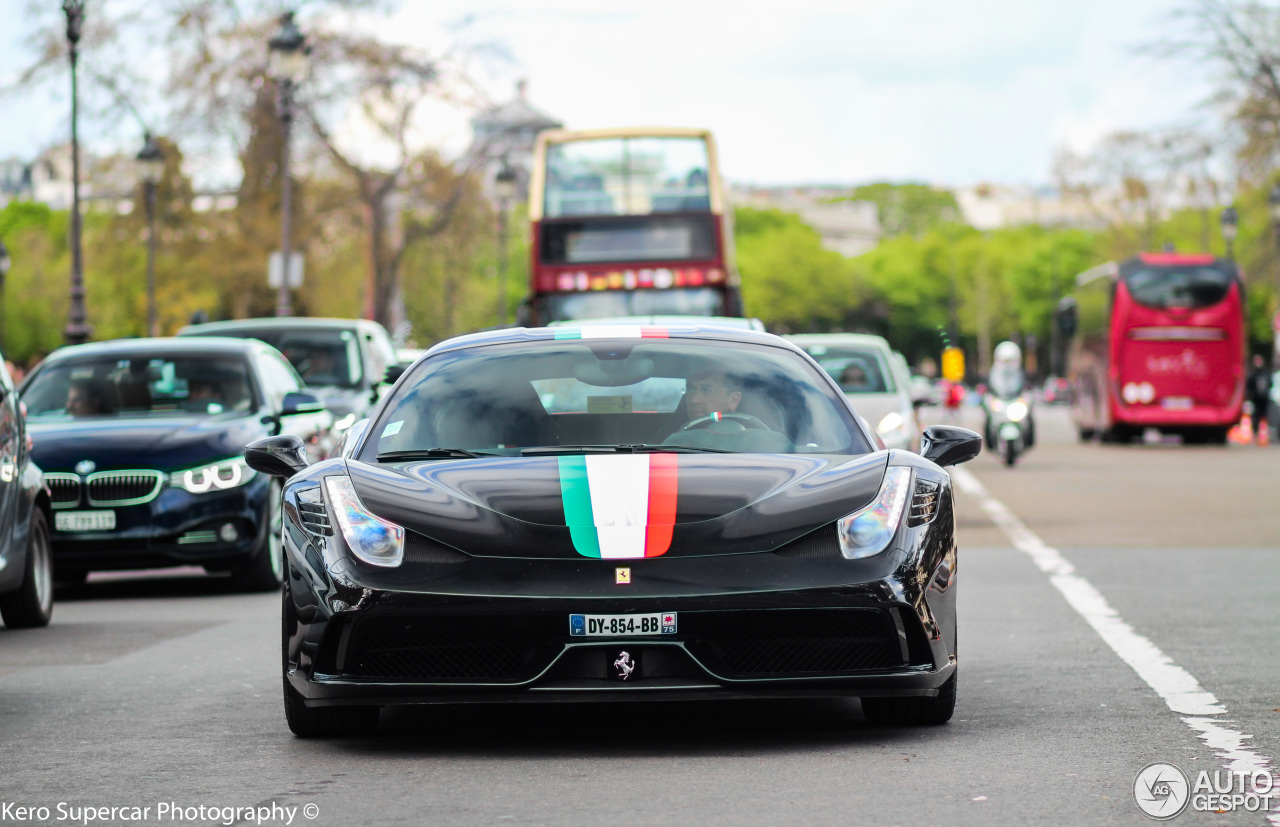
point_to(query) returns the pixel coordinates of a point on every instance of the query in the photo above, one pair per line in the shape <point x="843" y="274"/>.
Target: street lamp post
<point x="1273" y="200"/>
<point x="4" y="272"/>
<point x="1230" y="221"/>
<point x="77" y="330"/>
<point x="504" y="187"/>
<point x="150" y="162"/>
<point x="288" y="64"/>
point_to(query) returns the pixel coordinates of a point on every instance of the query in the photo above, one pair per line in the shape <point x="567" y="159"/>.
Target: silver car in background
<point x="874" y="378"/>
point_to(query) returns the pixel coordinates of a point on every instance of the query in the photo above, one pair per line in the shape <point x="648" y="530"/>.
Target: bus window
<point x="1184" y="288"/>
<point x="627" y="176"/>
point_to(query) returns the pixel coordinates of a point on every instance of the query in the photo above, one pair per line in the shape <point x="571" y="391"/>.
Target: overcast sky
<point x="802" y="91"/>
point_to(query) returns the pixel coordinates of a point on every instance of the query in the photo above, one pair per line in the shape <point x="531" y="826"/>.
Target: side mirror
<point x="393" y="374"/>
<point x="300" y="402"/>
<point x="277" y="456"/>
<point x="949" y="445"/>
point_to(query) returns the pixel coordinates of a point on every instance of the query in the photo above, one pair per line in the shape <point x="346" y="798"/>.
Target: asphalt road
<point x="159" y="691"/>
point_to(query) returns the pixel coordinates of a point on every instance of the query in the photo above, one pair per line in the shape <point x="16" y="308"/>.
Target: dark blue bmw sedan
<point x="142" y="441"/>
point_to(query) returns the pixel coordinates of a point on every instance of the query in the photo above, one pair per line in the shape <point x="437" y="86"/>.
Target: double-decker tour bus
<point x="629" y="222"/>
<point x="1159" y="342"/>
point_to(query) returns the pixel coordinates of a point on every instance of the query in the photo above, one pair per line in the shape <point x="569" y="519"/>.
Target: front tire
<point x="913" y="711"/>
<point x="32" y="604"/>
<point x="265" y="570"/>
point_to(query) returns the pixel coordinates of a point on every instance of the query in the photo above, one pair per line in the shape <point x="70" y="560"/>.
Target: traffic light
<point x="953" y="364"/>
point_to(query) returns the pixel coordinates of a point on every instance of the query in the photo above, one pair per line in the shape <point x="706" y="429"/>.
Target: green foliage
<point x="789" y="280"/>
<point x="909" y="209"/>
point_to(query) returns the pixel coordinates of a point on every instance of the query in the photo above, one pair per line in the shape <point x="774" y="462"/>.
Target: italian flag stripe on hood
<point x="619" y="506"/>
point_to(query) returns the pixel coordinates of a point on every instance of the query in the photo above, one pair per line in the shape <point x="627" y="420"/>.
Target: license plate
<point x="84" y="520"/>
<point x="659" y="623"/>
<point x="1176" y="403"/>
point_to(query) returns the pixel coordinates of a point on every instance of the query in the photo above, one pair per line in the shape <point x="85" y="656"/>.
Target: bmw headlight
<point x="868" y="532"/>
<point x="1017" y="411"/>
<point x="216" y="476"/>
<point x="371" y="538"/>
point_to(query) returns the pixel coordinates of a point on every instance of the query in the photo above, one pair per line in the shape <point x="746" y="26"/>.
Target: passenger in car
<point x="85" y="398"/>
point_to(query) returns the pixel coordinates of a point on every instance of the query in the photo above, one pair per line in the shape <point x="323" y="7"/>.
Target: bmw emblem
<point x="85" y="467"/>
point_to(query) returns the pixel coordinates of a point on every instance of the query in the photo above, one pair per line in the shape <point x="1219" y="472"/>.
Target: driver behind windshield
<point x="708" y="392"/>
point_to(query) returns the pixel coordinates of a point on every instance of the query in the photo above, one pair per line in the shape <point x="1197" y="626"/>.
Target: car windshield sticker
<point x="609" y="404"/>
<point x="621" y="506"/>
<point x="612" y="331"/>
<point x="392" y="429"/>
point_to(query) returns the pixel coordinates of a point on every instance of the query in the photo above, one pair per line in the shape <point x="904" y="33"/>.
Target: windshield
<point x="855" y="369"/>
<point x="323" y="358"/>
<point x="606" y="304"/>
<point x="693" y="395"/>
<point x="123" y="386"/>
<point x="1006" y="379"/>
<point x="627" y="176"/>
<point x="1178" y="287"/>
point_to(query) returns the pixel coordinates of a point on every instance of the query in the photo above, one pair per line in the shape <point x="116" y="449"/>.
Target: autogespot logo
<point x="1162" y="791"/>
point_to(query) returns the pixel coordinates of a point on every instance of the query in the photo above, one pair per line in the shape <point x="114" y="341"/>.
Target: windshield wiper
<point x="641" y="448"/>
<point x="430" y="453"/>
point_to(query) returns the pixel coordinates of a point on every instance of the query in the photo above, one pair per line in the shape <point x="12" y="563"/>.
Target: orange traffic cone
<point x="1242" y="433"/>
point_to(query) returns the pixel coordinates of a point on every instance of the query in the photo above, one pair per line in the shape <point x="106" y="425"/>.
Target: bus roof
<point x="1176" y="258"/>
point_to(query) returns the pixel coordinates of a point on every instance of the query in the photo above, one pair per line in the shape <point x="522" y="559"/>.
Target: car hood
<point x="619" y="505"/>
<point x="163" y="443"/>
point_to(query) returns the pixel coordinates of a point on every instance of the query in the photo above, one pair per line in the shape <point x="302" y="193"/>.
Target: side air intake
<point x="924" y="504"/>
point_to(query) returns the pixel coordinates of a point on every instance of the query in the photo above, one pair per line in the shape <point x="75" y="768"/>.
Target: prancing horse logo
<point x="624" y="665"/>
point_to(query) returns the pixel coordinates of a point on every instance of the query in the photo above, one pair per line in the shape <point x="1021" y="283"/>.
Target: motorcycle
<point x="1010" y="429"/>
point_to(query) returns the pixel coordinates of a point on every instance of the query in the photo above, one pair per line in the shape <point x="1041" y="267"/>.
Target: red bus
<point x="629" y="222"/>
<point x="1159" y="342"/>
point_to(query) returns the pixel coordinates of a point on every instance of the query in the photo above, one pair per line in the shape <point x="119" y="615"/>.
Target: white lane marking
<point x="1179" y="689"/>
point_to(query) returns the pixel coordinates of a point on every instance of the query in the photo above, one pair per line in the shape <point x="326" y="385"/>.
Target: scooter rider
<point x="1007" y="383"/>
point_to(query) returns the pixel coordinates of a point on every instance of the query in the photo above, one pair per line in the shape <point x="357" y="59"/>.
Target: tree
<point x="909" y="209"/>
<point x="789" y="280"/>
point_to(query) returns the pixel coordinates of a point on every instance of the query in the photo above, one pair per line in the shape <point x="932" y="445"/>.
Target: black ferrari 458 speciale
<point x="616" y="512"/>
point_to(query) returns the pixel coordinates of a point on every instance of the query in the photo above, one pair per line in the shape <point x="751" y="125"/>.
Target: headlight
<point x="892" y="421"/>
<point x="997" y="405"/>
<point x="1017" y="411"/>
<point x="371" y="538"/>
<point x="868" y="532"/>
<point x="217" y="476"/>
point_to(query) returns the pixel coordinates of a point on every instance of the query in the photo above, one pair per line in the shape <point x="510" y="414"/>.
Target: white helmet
<point x="1008" y="353"/>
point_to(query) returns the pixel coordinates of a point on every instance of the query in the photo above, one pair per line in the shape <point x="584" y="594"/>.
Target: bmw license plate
<point x="659" y="623"/>
<point x="84" y="520"/>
